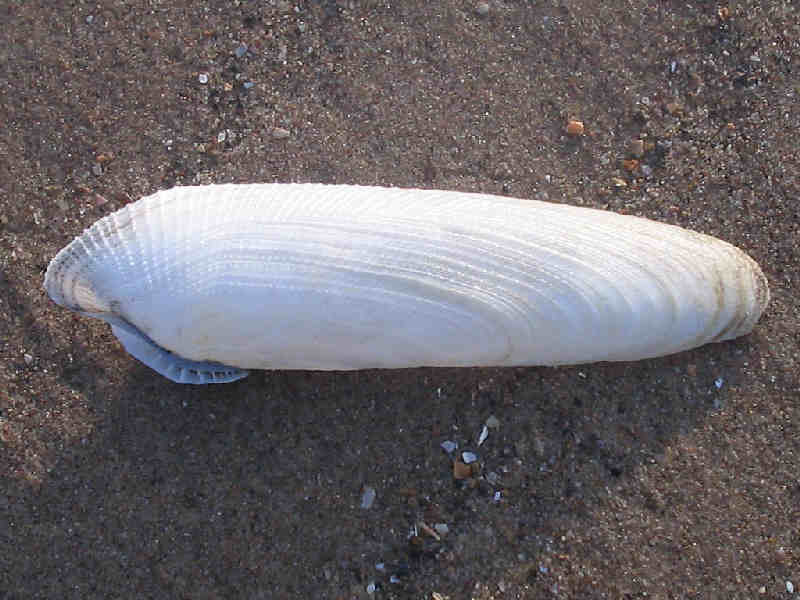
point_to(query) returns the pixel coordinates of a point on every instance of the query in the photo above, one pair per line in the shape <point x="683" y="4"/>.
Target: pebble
<point x="203" y="78"/>
<point x="493" y="422"/>
<point x="28" y="359"/>
<point x="575" y="128"/>
<point x="790" y="587"/>
<point x="469" y="457"/>
<point x="482" y="8"/>
<point x="441" y="528"/>
<point x="630" y="164"/>
<point x="279" y="133"/>
<point x="241" y="50"/>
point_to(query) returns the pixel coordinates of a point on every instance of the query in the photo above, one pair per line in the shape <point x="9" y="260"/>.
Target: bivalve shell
<point x="202" y="283"/>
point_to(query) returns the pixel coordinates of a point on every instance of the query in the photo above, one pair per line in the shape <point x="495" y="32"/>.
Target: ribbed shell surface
<point x="309" y="276"/>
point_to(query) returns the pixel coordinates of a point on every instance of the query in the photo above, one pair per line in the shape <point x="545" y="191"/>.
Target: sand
<point x="668" y="478"/>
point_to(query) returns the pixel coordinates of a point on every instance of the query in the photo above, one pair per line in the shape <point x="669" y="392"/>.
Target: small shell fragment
<point x="449" y="446"/>
<point x="368" y="497"/>
<point x="619" y="182"/>
<point x="484" y="434"/>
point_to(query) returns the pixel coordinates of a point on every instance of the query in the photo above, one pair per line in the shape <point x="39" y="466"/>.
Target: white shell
<point x="202" y="282"/>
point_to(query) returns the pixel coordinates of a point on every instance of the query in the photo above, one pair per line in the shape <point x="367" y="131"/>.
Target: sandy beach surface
<point x="663" y="479"/>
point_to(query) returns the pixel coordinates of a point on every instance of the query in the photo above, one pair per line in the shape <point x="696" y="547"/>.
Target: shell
<point x="201" y="283"/>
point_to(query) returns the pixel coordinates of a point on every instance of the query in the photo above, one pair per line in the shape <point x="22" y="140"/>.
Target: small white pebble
<point x="718" y="382"/>
<point x="371" y="588"/>
<point x="203" y="78"/>
<point x="441" y="528"/>
<point x="469" y="457"/>
<point x="790" y="587"/>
